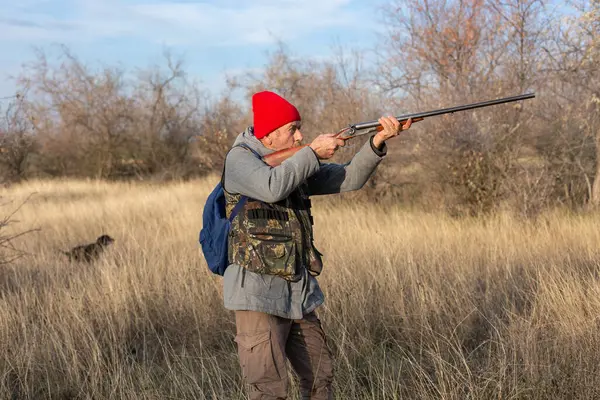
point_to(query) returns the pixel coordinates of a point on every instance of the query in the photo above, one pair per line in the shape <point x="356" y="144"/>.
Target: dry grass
<point x="418" y="305"/>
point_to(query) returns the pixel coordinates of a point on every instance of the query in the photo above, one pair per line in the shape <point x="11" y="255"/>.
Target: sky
<point x="215" y="39"/>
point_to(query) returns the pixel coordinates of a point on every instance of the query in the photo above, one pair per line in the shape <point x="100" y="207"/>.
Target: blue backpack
<point x="216" y="226"/>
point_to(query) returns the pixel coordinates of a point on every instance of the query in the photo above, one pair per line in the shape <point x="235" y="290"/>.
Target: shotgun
<point x="365" y="128"/>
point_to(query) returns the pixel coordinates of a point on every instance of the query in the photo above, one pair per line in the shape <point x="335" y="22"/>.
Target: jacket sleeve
<point x="247" y="175"/>
<point x="338" y="178"/>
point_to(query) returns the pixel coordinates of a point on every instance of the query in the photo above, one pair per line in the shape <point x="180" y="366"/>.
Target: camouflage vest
<point x="274" y="238"/>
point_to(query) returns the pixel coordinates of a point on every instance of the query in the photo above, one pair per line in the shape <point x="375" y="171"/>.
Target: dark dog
<point x="89" y="252"/>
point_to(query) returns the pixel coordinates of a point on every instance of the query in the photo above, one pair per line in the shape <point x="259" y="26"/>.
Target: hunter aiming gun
<point x="365" y="128"/>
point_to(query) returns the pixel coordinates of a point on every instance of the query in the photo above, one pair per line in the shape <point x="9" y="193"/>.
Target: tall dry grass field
<point x="418" y="306"/>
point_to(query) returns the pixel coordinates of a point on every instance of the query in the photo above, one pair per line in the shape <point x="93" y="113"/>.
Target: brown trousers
<point x="265" y="341"/>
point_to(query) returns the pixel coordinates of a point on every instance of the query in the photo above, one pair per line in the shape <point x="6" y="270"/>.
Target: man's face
<point x="287" y="136"/>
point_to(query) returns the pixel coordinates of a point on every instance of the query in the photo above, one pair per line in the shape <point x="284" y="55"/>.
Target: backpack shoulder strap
<point x="244" y="145"/>
<point x="243" y="198"/>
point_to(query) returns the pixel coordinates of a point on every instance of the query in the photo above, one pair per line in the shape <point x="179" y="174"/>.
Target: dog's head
<point x="105" y="240"/>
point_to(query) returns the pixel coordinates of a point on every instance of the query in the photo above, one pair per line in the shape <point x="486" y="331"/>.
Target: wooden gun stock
<point x="276" y="158"/>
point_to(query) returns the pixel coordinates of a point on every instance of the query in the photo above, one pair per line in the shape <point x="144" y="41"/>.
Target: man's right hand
<point x="325" y="145"/>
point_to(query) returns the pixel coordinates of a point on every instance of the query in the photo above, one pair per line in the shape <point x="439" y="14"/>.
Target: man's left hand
<point x="391" y="128"/>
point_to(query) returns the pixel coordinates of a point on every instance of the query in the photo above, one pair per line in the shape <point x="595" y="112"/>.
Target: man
<point x="270" y="282"/>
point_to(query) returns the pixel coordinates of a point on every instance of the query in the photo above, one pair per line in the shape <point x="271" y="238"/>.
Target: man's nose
<point x="298" y="136"/>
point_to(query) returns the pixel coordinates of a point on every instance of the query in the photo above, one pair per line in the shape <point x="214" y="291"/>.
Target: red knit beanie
<point x="271" y="111"/>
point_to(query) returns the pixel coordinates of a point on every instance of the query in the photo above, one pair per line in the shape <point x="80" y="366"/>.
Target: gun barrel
<point x="449" y="110"/>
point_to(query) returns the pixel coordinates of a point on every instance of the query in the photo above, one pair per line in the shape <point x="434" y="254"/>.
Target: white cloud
<point x="200" y="23"/>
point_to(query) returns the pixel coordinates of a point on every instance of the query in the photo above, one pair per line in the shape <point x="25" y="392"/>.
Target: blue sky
<point x="214" y="38"/>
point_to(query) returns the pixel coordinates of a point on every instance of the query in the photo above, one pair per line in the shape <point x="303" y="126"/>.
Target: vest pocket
<point x="276" y="254"/>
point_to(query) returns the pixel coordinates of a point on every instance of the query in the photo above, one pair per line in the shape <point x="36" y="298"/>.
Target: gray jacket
<point x="246" y="174"/>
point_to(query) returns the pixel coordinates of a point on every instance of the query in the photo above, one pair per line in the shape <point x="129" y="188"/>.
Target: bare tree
<point x="89" y="107"/>
<point x="439" y="53"/>
<point x="439" y="48"/>
<point x="222" y="121"/>
<point x="17" y="139"/>
<point x="103" y="124"/>
<point x="574" y="55"/>
<point x="168" y="115"/>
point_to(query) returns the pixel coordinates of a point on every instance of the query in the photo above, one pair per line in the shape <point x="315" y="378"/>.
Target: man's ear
<point x="267" y="140"/>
